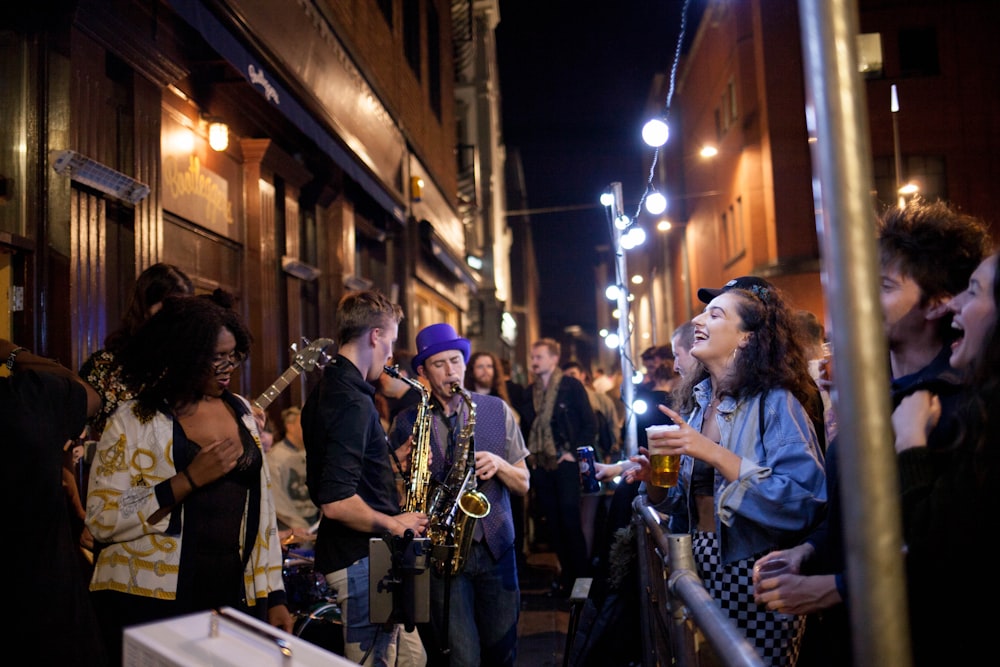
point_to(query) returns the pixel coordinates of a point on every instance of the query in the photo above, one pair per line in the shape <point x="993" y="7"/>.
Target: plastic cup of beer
<point x="663" y="467"/>
<point x="772" y="568"/>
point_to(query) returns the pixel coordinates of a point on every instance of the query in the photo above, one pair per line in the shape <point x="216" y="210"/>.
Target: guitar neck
<point x="272" y="392"/>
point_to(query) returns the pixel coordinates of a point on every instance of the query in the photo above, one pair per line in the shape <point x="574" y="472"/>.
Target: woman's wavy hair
<point x="979" y="424"/>
<point x="773" y="356"/>
<point x="152" y="286"/>
<point x="169" y="359"/>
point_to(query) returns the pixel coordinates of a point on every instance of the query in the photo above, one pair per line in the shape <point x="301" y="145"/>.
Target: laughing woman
<point x="178" y="495"/>
<point x="951" y="495"/>
<point x="752" y="472"/>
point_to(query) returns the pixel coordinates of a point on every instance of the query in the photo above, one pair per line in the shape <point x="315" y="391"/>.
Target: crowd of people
<point x="186" y="505"/>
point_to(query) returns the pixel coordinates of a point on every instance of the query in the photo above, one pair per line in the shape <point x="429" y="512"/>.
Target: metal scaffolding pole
<point x="630" y="446"/>
<point x="841" y="155"/>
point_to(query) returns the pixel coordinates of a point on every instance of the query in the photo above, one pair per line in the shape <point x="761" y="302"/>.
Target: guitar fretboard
<point x="279" y="386"/>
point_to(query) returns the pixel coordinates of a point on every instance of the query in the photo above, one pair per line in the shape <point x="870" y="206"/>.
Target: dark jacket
<point x="573" y="421"/>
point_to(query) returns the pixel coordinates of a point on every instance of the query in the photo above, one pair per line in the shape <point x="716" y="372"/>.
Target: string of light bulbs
<point x="656" y="132"/>
<point x="626" y="234"/>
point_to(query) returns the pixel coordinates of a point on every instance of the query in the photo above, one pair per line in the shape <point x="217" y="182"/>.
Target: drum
<point x="304" y="586"/>
<point x="322" y="626"/>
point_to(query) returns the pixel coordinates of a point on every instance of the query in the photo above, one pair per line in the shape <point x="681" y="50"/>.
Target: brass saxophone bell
<point x="474" y="504"/>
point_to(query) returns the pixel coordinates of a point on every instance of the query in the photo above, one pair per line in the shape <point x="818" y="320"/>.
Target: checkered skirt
<point x="777" y="637"/>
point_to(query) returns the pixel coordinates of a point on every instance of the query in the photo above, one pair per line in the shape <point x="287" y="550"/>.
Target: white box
<point x="226" y="638"/>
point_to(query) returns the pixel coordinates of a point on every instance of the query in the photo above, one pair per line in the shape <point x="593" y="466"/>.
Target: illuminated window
<point x="870" y="55"/>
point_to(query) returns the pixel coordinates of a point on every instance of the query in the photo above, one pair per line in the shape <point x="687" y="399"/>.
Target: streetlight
<point x="894" y="109"/>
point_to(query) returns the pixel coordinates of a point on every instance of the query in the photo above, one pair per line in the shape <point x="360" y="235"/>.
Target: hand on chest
<point x="209" y="421"/>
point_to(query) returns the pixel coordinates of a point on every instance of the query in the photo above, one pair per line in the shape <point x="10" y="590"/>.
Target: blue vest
<point x="490" y="435"/>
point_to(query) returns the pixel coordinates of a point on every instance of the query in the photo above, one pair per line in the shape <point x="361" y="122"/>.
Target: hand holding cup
<point x="663" y="467"/>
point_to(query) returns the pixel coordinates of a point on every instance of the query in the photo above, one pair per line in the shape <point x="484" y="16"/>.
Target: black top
<point x="347" y="454"/>
<point x="39" y="412"/>
<point x="211" y="573"/>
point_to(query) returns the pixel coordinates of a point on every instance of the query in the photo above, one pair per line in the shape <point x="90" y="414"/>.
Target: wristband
<point x="13" y="355"/>
<point x="194" y="487"/>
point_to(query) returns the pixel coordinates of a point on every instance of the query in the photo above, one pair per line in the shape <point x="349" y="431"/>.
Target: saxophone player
<point x="350" y="477"/>
<point x="481" y="600"/>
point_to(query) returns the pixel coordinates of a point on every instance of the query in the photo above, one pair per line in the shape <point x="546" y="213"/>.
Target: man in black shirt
<point x="348" y="469"/>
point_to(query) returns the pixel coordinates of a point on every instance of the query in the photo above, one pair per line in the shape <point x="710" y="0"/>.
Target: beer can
<point x="588" y="471"/>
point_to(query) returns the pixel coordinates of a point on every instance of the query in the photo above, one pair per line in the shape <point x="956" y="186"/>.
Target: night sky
<point x="575" y="82"/>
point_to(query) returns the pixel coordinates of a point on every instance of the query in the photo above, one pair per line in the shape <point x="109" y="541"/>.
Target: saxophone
<point x="456" y="505"/>
<point x="420" y="457"/>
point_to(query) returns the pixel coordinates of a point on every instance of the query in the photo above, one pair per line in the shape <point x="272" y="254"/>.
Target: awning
<point x="269" y="87"/>
<point x="443" y="254"/>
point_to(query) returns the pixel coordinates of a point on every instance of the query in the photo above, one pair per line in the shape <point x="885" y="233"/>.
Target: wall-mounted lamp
<point x="416" y="188"/>
<point x="218" y="135"/>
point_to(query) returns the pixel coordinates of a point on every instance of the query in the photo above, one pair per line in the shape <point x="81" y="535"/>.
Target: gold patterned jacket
<point x="143" y="558"/>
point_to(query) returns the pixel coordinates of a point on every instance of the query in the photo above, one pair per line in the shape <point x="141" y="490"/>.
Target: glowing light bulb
<point x="656" y="203"/>
<point x="218" y="136"/>
<point x="611" y="292"/>
<point x="622" y="221"/>
<point x="639" y="406"/>
<point x="655" y="132"/>
<point x="607" y="199"/>
<point x="636" y="237"/>
<point x="611" y="341"/>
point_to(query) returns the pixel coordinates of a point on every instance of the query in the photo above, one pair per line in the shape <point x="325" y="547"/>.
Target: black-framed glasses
<point x="223" y="362"/>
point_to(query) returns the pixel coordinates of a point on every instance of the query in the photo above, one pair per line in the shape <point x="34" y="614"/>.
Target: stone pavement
<point x="541" y="630"/>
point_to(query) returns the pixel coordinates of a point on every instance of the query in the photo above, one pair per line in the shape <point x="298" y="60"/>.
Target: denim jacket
<point x="781" y="491"/>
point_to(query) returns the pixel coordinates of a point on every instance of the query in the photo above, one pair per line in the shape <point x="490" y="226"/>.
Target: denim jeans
<point x="361" y="637"/>
<point x="485" y="606"/>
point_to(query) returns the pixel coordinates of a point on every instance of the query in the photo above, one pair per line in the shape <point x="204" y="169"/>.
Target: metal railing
<point x="681" y="623"/>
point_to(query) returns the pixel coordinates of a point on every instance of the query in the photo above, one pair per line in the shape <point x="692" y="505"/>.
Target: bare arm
<point x="356" y="514"/>
<point x="515" y="476"/>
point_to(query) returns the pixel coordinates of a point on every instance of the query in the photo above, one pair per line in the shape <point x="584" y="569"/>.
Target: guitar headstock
<point x="313" y="354"/>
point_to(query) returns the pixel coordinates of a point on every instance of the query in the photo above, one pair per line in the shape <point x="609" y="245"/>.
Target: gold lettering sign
<point x="197" y="193"/>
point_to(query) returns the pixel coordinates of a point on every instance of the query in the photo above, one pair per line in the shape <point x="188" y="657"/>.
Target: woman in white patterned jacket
<point x="179" y="501"/>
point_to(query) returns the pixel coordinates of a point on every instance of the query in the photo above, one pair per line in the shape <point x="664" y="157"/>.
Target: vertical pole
<point x="841" y="156"/>
<point x="624" y="330"/>
<point x="894" y="108"/>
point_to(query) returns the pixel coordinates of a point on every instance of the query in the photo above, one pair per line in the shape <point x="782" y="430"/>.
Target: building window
<point x="386" y="8"/>
<point x="434" y="60"/>
<point x="411" y="35"/>
<point x="732" y="229"/>
<point x="870" y="55"/>
<point x="918" y="52"/>
<point x="733" y="106"/>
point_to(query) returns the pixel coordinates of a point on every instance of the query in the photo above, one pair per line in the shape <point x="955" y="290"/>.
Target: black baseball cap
<point x="706" y="294"/>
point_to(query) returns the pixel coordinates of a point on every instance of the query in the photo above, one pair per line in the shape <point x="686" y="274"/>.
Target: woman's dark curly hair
<point x="773" y="356"/>
<point x="169" y="359"/>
